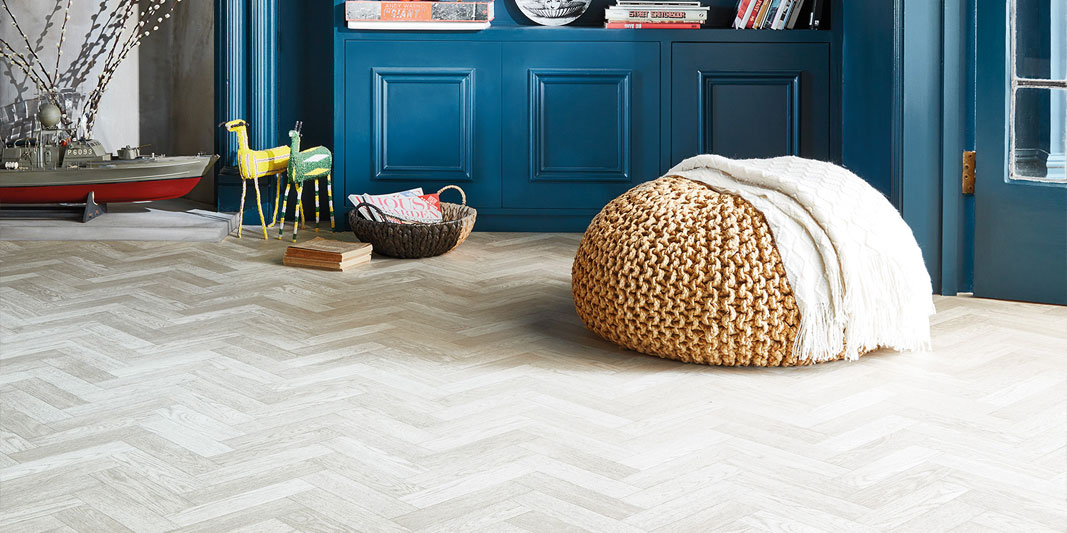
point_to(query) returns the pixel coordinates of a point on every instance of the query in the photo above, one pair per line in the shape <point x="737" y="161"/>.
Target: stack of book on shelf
<point x="776" y="14"/>
<point x="327" y="254"/>
<point x="670" y="14"/>
<point x="418" y="14"/>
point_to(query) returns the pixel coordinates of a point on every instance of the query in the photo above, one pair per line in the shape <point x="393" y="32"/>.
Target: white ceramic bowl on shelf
<point x="553" y="12"/>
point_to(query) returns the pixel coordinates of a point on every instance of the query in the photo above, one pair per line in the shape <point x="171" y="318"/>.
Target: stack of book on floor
<point x="327" y="254"/>
<point x="776" y="14"/>
<point x="648" y="14"/>
<point x="419" y="14"/>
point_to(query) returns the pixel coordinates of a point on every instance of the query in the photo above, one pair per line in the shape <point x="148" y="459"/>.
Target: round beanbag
<point x="674" y="269"/>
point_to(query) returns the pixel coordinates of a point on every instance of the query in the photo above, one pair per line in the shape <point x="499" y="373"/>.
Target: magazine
<point x="402" y="207"/>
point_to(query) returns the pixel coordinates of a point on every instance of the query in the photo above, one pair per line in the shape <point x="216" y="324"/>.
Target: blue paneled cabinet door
<point x="745" y="100"/>
<point x="1020" y="226"/>
<point x="578" y="129"/>
<point x="423" y="114"/>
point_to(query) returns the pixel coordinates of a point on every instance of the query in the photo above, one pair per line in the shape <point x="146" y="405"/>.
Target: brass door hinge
<point x="968" y="172"/>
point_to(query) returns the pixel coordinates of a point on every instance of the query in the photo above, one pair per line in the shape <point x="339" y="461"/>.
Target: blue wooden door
<point x="1020" y="191"/>
<point x="422" y="114"/>
<point x="580" y="122"/>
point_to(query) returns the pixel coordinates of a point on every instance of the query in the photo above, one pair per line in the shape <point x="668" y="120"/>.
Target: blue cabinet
<point x="543" y="126"/>
<point x="419" y="114"/>
<point x="746" y="100"/>
<point x="572" y="136"/>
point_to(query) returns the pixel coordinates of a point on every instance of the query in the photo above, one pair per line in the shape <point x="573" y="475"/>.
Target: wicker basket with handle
<point x="414" y="240"/>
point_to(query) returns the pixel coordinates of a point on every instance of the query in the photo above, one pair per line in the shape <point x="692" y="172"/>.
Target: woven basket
<point x="674" y="269"/>
<point x="412" y="241"/>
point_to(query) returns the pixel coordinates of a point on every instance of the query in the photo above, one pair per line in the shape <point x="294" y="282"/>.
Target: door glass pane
<point x="1038" y="136"/>
<point x="1038" y="132"/>
<point x="1041" y="39"/>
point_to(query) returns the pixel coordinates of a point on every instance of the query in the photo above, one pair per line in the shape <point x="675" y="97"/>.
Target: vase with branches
<point x="118" y="27"/>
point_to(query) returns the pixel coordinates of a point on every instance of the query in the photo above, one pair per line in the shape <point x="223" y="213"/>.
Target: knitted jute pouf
<point x="674" y="269"/>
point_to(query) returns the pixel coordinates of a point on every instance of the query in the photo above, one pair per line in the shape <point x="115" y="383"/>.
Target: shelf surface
<point x="592" y="33"/>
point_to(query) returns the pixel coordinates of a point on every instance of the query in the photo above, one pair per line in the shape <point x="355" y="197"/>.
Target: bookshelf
<point x="543" y="125"/>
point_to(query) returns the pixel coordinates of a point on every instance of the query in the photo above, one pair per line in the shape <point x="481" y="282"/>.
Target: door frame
<point x="933" y="103"/>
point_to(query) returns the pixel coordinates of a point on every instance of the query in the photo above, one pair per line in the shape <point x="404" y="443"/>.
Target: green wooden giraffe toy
<point x="311" y="164"/>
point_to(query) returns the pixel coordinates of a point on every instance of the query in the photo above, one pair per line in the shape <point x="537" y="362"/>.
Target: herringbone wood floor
<point x="205" y="387"/>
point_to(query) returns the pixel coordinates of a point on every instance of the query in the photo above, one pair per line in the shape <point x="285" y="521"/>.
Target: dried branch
<point x="62" y="36"/>
<point x="119" y="43"/>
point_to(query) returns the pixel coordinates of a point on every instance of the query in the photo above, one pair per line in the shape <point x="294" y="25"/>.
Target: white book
<point x="398" y="25"/>
<point x="779" y="18"/>
<point x="648" y="3"/>
<point x="797" y="8"/>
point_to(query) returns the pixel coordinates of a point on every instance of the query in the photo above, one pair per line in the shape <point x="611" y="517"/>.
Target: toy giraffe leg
<point x="241" y="210"/>
<point x="285" y="205"/>
<point x="300" y="204"/>
<point x="329" y="196"/>
<point x="318" y="214"/>
<point x="299" y="208"/>
<point x="259" y="205"/>
<point x="277" y="200"/>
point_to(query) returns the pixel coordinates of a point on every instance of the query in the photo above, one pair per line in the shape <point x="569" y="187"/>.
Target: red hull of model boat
<point x="138" y="191"/>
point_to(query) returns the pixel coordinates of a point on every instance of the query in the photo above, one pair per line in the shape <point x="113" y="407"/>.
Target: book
<point x="758" y="20"/>
<point x="652" y="3"/>
<point x="325" y="265"/>
<point x="425" y="11"/>
<point x="651" y="25"/>
<point x="768" y="16"/>
<point x="758" y="4"/>
<point x="744" y="9"/>
<point x="416" y="26"/>
<point x="614" y="14"/>
<point x="320" y="249"/>
<point x="794" y="14"/>
<point x="780" y="17"/>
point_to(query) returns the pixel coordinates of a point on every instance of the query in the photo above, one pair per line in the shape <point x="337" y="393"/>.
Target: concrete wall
<point x="177" y="87"/>
<point x="118" y="118"/>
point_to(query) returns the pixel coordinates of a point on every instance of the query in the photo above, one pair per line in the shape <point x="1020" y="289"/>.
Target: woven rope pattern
<point x="674" y="269"/>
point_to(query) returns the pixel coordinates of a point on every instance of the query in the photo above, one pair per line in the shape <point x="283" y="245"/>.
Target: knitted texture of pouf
<point x="674" y="269"/>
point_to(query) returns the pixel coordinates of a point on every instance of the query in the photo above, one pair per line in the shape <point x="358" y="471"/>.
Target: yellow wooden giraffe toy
<point x="255" y="164"/>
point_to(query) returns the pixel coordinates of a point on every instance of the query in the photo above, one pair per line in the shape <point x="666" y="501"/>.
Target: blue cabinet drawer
<point x="747" y="100"/>
<point x="422" y="114"/>
<point x="580" y="122"/>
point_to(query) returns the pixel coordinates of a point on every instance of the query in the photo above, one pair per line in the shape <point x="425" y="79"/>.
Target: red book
<point x="755" y="13"/>
<point x="742" y="13"/>
<point x="651" y="25"/>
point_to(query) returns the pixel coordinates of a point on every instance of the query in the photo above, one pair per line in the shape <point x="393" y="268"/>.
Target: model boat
<point x="51" y="167"/>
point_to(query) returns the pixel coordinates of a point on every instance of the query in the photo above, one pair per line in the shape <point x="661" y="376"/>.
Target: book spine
<point x="653" y="21"/>
<point x="407" y="25"/>
<point x="651" y="25"/>
<point x="794" y="14"/>
<point x="418" y="11"/>
<point x="755" y="13"/>
<point x="780" y="17"/>
<point x="678" y="14"/>
<point x="762" y="16"/>
<point x="743" y="9"/>
<point x="768" y="17"/>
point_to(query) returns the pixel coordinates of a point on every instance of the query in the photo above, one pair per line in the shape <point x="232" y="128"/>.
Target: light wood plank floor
<point x="205" y="387"/>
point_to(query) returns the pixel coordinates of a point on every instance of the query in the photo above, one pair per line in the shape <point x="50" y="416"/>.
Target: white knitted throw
<point x="855" y="268"/>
